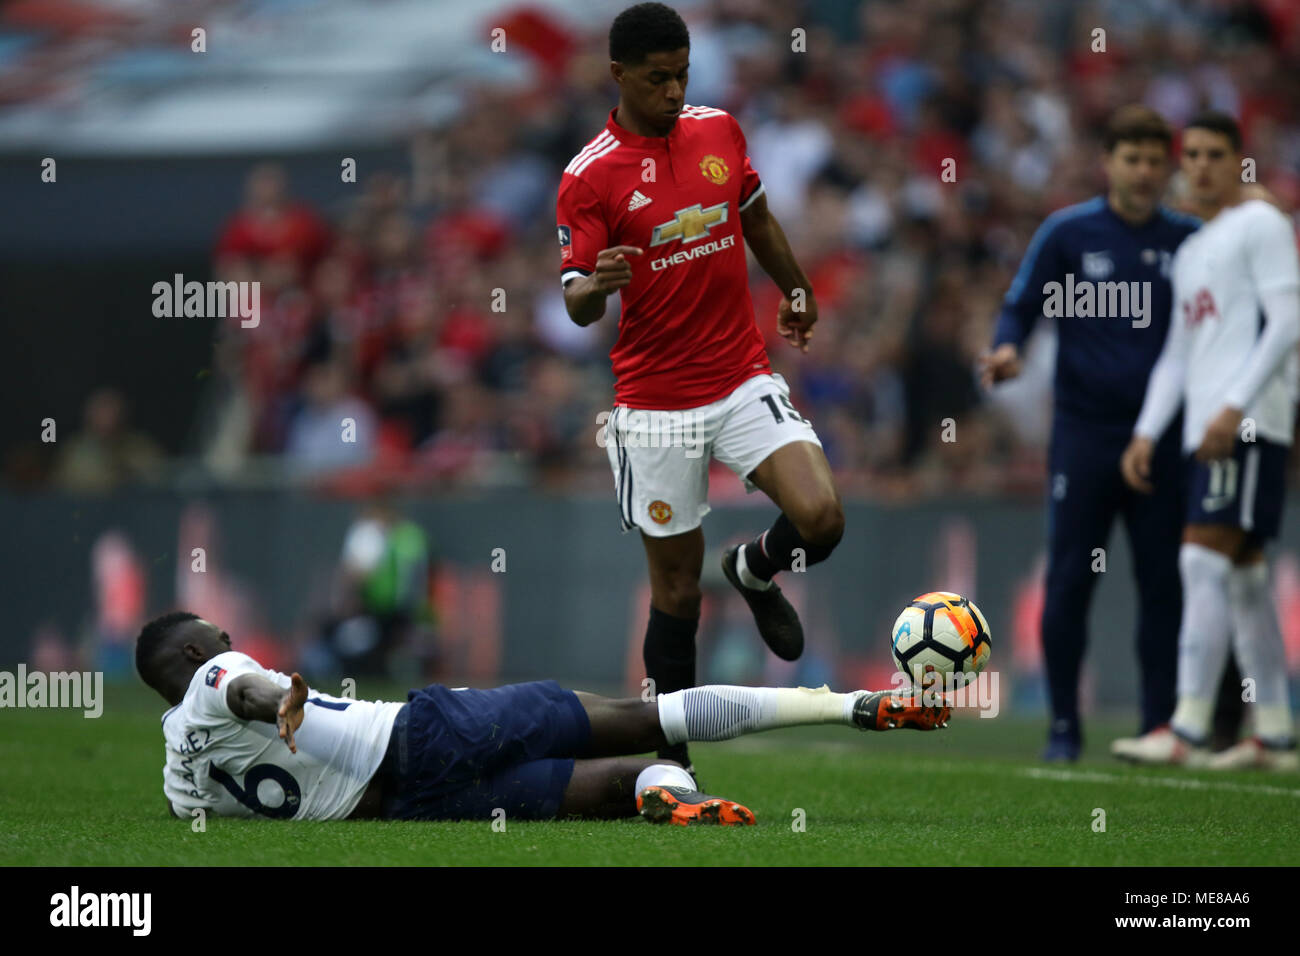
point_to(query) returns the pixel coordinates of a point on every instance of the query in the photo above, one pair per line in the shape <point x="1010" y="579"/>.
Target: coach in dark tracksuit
<point x="1109" y="338"/>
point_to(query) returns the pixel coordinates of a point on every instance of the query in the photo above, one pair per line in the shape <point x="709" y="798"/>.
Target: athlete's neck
<point x="1134" y="217"/>
<point x="1208" y="209"/>
<point x="624" y="118"/>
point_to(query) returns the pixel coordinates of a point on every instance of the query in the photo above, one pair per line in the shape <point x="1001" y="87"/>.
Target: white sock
<point x="747" y="577"/>
<point x="1203" y="637"/>
<point x="721" y="711"/>
<point x="1260" y="651"/>
<point x="664" y="775"/>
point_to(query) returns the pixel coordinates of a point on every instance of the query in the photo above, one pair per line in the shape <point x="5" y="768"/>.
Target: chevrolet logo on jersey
<point x="689" y="224"/>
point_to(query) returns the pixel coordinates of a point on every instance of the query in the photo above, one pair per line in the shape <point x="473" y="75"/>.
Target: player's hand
<point x="1135" y="464"/>
<point x="1220" y="435"/>
<point x="289" y="717"/>
<point x="796" y="327"/>
<point x="613" y="271"/>
<point x="1000" y="364"/>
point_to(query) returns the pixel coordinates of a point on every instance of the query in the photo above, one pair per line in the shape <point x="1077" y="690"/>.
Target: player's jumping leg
<point x="675" y="563"/>
<point x="798" y="479"/>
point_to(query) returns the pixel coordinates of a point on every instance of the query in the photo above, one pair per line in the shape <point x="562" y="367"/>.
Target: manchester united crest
<point x="661" y="512"/>
<point x="714" y="169"/>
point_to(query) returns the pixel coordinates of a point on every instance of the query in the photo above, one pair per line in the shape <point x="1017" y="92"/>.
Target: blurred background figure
<point x="120" y="605"/>
<point x="381" y="604"/>
<point x="106" y="453"/>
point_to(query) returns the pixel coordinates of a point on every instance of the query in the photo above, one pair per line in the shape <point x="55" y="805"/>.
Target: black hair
<point x="1136" y="123"/>
<point x="644" y="29"/>
<point x="1217" y="122"/>
<point x="151" y="639"/>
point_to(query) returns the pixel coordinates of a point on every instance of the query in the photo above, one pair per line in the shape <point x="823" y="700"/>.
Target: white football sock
<point x="1260" y="652"/>
<point x="1203" y="637"/>
<point x="664" y="775"/>
<point x="747" y="577"/>
<point x="721" y="711"/>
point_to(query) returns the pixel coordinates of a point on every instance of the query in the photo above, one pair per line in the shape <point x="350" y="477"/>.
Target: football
<point x="943" y="633"/>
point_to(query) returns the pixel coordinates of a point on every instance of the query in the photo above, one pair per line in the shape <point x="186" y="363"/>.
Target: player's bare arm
<point x="585" y="297"/>
<point x="253" y="697"/>
<point x="767" y="241"/>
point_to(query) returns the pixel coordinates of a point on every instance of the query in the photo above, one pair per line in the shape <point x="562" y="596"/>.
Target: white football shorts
<point x="660" y="459"/>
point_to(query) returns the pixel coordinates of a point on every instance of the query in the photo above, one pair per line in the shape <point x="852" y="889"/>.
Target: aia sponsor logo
<point x="1197" y="308"/>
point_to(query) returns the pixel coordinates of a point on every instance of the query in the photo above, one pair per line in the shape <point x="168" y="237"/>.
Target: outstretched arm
<point x="253" y="697"/>
<point x="766" y="238"/>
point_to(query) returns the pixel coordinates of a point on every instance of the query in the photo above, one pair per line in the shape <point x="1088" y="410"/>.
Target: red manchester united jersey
<point x="687" y="335"/>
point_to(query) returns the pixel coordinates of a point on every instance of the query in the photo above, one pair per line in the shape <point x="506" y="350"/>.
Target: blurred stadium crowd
<point x="429" y="309"/>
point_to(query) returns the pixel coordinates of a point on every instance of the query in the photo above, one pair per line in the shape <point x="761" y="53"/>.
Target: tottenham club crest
<point x="714" y="169"/>
<point x="1097" y="265"/>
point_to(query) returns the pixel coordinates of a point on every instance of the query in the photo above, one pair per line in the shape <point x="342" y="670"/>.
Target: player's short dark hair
<point x="152" y="637"/>
<point x="1217" y="122"/>
<point x="1136" y="123"/>
<point x="644" y="29"/>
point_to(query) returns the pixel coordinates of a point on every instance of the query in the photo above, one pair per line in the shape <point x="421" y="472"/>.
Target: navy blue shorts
<point x="461" y="754"/>
<point x="1245" y="491"/>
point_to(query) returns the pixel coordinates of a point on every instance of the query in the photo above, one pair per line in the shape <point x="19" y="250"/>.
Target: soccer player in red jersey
<point x="656" y="207"/>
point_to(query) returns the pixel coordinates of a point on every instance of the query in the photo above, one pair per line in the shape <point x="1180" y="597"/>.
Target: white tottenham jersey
<point x="1219" y="274"/>
<point x="241" y="768"/>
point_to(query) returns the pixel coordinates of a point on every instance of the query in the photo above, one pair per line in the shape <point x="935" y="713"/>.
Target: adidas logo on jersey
<point x="638" y="200"/>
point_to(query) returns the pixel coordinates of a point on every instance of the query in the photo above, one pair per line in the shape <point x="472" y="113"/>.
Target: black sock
<point x="669" y="653"/>
<point x="766" y="556"/>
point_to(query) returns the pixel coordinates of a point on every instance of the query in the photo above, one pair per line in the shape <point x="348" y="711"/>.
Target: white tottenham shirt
<point x="1240" y="266"/>
<point x="241" y="768"/>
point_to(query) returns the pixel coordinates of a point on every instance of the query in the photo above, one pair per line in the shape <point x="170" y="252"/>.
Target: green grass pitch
<point x="78" y="791"/>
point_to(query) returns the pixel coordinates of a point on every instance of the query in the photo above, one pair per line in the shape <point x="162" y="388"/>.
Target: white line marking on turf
<point x="1175" y="783"/>
<point x="758" y="745"/>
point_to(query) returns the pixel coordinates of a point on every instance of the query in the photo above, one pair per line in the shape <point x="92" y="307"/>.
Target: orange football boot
<point x="684" y="807"/>
<point x="895" y="709"/>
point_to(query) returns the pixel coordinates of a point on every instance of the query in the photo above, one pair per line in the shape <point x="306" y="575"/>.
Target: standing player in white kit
<point x="1231" y="356"/>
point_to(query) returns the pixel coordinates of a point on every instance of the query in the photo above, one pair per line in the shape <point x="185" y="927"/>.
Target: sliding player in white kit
<point x="1239" y="382"/>
<point x="245" y="741"/>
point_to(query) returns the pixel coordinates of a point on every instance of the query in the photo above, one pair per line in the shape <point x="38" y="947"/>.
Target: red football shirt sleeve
<point x="582" y="229"/>
<point x="750" y="184"/>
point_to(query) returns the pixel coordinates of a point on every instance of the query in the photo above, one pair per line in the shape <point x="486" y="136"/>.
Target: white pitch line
<point x="1174" y="783"/>
<point x="758" y="745"/>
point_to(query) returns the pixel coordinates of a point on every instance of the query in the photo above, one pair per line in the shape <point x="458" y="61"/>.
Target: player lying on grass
<point x="246" y="741"/>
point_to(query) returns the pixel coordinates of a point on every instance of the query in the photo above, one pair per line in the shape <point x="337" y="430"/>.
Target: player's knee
<point x="678" y="595"/>
<point x="821" y="524"/>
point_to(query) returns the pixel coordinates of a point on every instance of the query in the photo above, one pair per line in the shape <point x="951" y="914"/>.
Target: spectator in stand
<point x="106" y="453"/>
<point x="272" y="227"/>
<point x="333" y="428"/>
